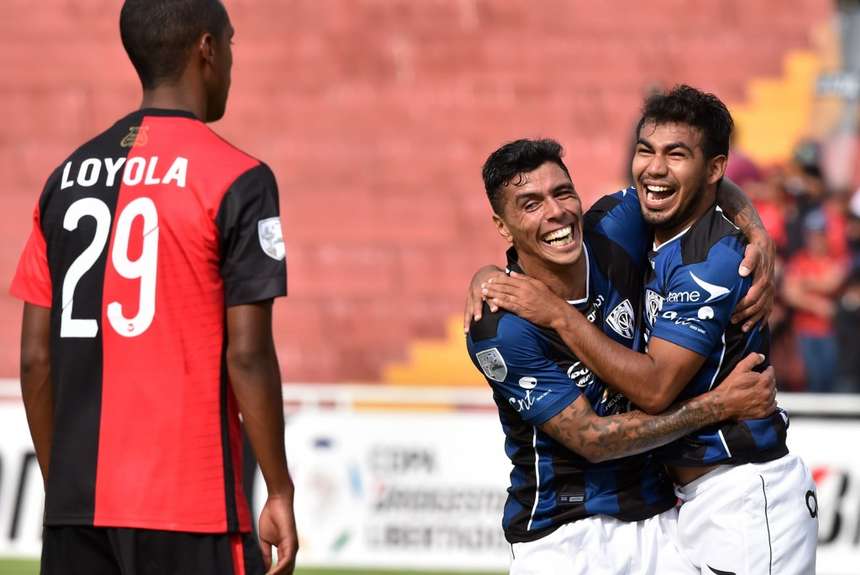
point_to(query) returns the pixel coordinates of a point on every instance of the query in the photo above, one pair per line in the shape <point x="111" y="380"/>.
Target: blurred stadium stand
<point x="376" y="116"/>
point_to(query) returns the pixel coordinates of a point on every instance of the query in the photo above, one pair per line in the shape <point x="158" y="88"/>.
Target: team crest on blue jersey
<point x="653" y="305"/>
<point x="492" y="364"/>
<point x="271" y="238"/>
<point x="620" y="319"/>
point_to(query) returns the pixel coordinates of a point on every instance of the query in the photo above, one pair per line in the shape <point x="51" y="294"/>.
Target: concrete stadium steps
<point x="376" y="116"/>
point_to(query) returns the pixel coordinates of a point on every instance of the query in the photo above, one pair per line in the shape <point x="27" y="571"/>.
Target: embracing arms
<point x="744" y="394"/>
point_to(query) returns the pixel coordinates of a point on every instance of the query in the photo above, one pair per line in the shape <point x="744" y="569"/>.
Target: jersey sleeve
<point x="253" y="255"/>
<point x="517" y="368"/>
<point x="619" y="217"/>
<point x="700" y="300"/>
<point x="32" y="281"/>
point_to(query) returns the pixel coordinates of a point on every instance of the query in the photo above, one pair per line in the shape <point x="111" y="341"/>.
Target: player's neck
<point x="175" y="97"/>
<point x="567" y="282"/>
<point x="663" y="234"/>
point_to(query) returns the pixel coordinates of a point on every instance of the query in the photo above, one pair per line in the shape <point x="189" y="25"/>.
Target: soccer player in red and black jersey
<point x="148" y="282"/>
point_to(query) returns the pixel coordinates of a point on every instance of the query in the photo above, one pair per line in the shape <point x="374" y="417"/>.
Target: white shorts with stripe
<point x="603" y="545"/>
<point x="752" y="519"/>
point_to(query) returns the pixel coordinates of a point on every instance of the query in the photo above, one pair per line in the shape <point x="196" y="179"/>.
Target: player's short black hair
<point x="158" y="34"/>
<point x="686" y="105"/>
<point x="513" y="160"/>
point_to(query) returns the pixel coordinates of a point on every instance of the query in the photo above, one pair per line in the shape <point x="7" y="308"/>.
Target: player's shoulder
<point x="713" y="237"/>
<point x="615" y="229"/>
<point x="502" y="327"/>
<point x="611" y="204"/>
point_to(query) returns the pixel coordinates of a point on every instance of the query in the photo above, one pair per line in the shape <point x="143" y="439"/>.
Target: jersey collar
<point x="514" y="266"/>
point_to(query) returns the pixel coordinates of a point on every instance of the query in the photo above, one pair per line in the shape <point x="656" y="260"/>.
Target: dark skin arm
<point x="759" y="259"/>
<point x="36" y="380"/>
<point x="744" y="394"/>
<point x="256" y="381"/>
<point x="760" y="255"/>
<point x="650" y="380"/>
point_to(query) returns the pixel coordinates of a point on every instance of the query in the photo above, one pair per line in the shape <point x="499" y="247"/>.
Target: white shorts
<point x="752" y="519"/>
<point x="603" y="545"/>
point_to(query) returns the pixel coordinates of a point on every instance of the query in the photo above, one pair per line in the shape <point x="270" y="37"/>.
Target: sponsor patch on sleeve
<point x="271" y="238"/>
<point x="492" y="364"/>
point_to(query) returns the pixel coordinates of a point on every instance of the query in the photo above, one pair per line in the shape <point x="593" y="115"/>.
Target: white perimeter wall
<point x="402" y="477"/>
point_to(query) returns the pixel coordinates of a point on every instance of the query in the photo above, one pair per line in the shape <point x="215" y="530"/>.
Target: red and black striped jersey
<point x="140" y="241"/>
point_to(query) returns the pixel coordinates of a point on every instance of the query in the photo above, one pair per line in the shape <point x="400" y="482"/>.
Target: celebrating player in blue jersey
<point x="583" y="498"/>
<point x="748" y="505"/>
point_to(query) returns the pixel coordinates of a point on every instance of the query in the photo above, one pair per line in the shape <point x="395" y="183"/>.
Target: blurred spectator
<point x="813" y="278"/>
<point x="852" y="230"/>
<point x="806" y="186"/>
<point x="847" y="326"/>
<point x="767" y="193"/>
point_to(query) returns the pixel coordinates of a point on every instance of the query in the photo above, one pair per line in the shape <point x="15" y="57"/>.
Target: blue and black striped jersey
<point x="534" y="376"/>
<point x="691" y="289"/>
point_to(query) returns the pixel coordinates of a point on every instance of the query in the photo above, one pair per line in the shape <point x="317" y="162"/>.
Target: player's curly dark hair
<point x="513" y="160"/>
<point x="686" y="105"/>
<point x="158" y="34"/>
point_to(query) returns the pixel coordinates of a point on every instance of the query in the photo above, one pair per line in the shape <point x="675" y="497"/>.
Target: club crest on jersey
<point x="653" y="305"/>
<point x="271" y="238"/>
<point x="620" y="319"/>
<point x="137" y="136"/>
<point x="492" y="364"/>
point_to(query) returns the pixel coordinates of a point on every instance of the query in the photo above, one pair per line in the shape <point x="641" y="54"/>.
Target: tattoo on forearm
<point x="738" y="208"/>
<point x="610" y="437"/>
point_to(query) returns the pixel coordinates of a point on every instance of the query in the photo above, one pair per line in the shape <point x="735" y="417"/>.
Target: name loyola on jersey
<point x="135" y="171"/>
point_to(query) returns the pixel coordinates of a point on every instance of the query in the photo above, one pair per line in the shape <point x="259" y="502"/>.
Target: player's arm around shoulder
<point x="694" y="313"/>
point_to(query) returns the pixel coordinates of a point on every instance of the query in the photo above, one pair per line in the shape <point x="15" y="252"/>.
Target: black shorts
<point x="78" y="550"/>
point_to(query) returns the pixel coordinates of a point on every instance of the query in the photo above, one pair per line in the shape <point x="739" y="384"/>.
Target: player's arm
<point x="650" y="380"/>
<point x="684" y="332"/>
<point x="36" y="380"/>
<point x="744" y="394"/>
<point x="759" y="257"/>
<point x="255" y="378"/>
<point x="253" y="267"/>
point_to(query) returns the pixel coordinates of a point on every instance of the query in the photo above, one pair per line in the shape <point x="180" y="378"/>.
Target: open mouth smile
<point x="658" y="195"/>
<point x="561" y="237"/>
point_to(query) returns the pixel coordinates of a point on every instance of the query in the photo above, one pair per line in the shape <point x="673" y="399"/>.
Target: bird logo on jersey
<point x="137" y="136"/>
<point x="271" y="238"/>
<point x="620" y="319"/>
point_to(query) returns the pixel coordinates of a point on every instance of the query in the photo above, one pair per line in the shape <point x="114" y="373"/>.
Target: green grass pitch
<point x="26" y="567"/>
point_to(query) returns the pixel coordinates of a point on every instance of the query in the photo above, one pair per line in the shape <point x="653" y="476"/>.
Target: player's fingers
<point x="474" y="307"/>
<point x="505" y="302"/>
<point x="280" y="568"/>
<point x="748" y="309"/>
<point x="266" y="549"/>
<point x="752" y="255"/>
<point x="753" y="302"/>
<point x="495" y="289"/>
<point x="749" y="362"/>
<point x="762" y="311"/>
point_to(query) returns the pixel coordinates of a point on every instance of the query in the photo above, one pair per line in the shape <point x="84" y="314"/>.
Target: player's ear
<point x="717" y="168"/>
<point x="502" y="229"/>
<point x="206" y="48"/>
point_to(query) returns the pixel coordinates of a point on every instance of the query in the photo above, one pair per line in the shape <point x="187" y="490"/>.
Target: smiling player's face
<point x="542" y="217"/>
<point x="672" y="175"/>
